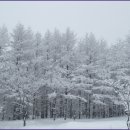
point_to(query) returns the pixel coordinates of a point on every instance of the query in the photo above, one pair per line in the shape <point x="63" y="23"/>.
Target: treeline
<point x="56" y="75"/>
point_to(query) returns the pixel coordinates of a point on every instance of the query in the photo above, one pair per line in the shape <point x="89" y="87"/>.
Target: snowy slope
<point x="110" y="123"/>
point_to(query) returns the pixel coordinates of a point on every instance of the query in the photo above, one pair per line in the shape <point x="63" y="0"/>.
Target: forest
<point x="57" y="75"/>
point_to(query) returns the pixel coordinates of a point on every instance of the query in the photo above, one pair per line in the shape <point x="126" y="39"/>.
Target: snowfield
<point x="109" y="123"/>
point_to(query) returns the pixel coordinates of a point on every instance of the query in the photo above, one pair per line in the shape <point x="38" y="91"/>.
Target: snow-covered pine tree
<point x="4" y="70"/>
<point x="22" y="54"/>
<point x="120" y="73"/>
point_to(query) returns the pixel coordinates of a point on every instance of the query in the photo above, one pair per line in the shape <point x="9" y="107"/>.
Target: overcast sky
<point x="108" y="20"/>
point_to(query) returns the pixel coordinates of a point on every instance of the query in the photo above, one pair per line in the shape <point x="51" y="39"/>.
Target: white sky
<point x="107" y="19"/>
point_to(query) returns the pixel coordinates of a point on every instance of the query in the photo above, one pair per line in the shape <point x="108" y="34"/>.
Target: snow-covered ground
<point x="110" y="123"/>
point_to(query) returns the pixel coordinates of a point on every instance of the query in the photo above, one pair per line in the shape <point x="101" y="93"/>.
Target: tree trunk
<point x="91" y="110"/>
<point x="86" y="110"/>
<point x="128" y="122"/>
<point x="54" y="110"/>
<point x="79" y="108"/>
<point x="71" y="108"/>
<point x="3" y="112"/>
<point x="61" y="107"/>
<point x="65" y="114"/>
<point x="42" y="107"/>
<point x="24" y="121"/>
<point x="128" y="115"/>
<point x="33" y="107"/>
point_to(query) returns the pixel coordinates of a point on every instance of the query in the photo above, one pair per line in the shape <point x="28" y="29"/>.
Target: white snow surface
<point x="108" y="123"/>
